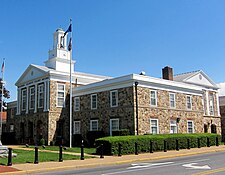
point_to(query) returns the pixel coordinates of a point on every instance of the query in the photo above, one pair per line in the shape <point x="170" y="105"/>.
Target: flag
<point x="68" y="30"/>
<point x="3" y="66"/>
<point x="70" y="44"/>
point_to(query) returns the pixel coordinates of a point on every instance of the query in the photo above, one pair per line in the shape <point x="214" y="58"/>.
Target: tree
<point x="3" y="93"/>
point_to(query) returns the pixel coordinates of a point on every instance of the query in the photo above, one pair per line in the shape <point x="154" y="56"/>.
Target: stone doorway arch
<point x="213" y="128"/>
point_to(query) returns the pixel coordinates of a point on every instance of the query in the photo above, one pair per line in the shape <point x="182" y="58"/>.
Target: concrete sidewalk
<point x="30" y="168"/>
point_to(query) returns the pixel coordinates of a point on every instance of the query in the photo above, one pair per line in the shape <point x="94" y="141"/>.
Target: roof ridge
<point x="187" y="72"/>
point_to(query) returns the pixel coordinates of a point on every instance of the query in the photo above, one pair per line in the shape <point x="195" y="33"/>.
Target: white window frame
<point x="114" y="97"/>
<point x="76" y="127"/>
<point x="11" y="128"/>
<point x="111" y="124"/>
<point x="192" y="124"/>
<point x="57" y="96"/>
<point x="31" y="97"/>
<point x="40" y="95"/>
<point x="173" y="124"/>
<point x="153" y="98"/>
<point x="94" y="103"/>
<point x="189" y="103"/>
<point x="172" y="101"/>
<point x="211" y="105"/>
<point x="157" y="125"/>
<point x="91" y="125"/>
<point x="24" y="99"/>
<point x="76" y="103"/>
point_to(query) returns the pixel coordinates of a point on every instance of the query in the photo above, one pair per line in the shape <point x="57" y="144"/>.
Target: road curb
<point x="117" y="162"/>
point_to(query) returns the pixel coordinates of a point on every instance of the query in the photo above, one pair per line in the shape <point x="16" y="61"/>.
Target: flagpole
<point x="71" y="88"/>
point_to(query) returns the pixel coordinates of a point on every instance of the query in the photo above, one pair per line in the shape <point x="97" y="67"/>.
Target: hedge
<point x="110" y="144"/>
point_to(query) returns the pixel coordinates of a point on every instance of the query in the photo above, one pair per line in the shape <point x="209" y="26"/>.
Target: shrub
<point x="128" y="142"/>
<point x="42" y="141"/>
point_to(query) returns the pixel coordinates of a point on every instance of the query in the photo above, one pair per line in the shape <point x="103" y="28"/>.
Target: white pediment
<point x="200" y="78"/>
<point x="30" y="74"/>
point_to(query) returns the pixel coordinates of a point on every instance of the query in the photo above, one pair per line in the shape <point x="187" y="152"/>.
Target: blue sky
<point x="116" y="37"/>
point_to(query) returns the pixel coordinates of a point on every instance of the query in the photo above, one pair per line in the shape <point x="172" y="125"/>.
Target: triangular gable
<point x="200" y="78"/>
<point x="31" y="73"/>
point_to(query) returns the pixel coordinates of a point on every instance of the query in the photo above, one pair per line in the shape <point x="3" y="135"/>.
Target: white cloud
<point x="222" y="89"/>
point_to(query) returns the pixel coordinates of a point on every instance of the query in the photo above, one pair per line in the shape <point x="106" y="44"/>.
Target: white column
<point x="35" y="98"/>
<point x="45" y="96"/>
<point x="207" y="102"/>
<point x="217" y="104"/>
<point x="18" y="100"/>
<point x="27" y="103"/>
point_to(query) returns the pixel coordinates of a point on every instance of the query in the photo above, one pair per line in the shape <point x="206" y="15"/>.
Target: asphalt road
<point x="212" y="163"/>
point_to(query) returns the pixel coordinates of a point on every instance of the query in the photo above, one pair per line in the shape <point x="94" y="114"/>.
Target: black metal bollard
<point x="208" y="142"/>
<point x="165" y="146"/>
<point x="217" y="141"/>
<point x="151" y="146"/>
<point x="199" y="144"/>
<point x="136" y="148"/>
<point x="82" y="150"/>
<point x="188" y="143"/>
<point x="119" y="149"/>
<point x="101" y="151"/>
<point x="36" y="155"/>
<point x="177" y="144"/>
<point x="60" y="153"/>
<point x="9" y="157"/>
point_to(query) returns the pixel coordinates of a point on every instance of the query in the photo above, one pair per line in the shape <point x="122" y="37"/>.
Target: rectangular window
<point x="11" y="129"/>
<point x="153" y="98"/>
<point x="94" y="101"/>
<point x="114" y="98"/>
<point x="211" y="102"/>
<point x="172" y="100"/>
<point x="40" y="96"/>
<point x="60" y="95"/>
<point x="154" y="127"/>
<point x="32" y="97"/>
<point x="76" y="103"/>
<point x="190" y="126"/>
<point x="94" y="125"/>
<point x="24" y="99"/>
<point x="114" y="125"/>
<point x="76" y="129"/>
<point x="188" y="102"/>
<point x="173" y="126"/>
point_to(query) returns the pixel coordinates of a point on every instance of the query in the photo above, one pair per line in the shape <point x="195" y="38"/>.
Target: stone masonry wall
<point x="164" y="113"/>
<point x="58" y="113"/>
<point x="124" y="112"/>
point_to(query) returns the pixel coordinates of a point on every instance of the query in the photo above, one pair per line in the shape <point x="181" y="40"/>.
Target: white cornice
<point x="144" y="81"/>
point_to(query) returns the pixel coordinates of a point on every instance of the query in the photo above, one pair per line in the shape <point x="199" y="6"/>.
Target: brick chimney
<point x="167" y="73"/>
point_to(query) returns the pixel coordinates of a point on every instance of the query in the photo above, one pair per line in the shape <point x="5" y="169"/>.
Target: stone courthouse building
<point x="185" y="103"/>
<point x="42" y="96"/>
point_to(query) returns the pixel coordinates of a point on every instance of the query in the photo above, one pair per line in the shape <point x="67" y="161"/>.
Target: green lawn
<point x="27" y="156"/>
<point x="73" y="149"/>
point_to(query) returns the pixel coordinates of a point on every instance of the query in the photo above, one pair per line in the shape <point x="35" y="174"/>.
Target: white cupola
<point x="59" y="56"/>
